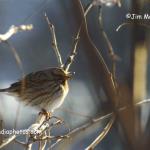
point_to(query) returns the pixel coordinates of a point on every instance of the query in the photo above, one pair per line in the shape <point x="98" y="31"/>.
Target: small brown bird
<point x="44" y="89"/>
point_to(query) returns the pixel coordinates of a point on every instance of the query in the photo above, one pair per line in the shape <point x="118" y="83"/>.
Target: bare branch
<point x="7" y="141"/>
<point x="45" y="138"/>
<point x="143" y="102"/>
<point x="42" y="143"/>
<point x="54" y="41"/>
<point x="112" y="54"/>
<point x="83" y="127"/>
<point x="102" y="134"/>
<point x="40" y="127"/>
<point x="20" y="143"/>
<point x="72" y="55"/>
<point x="131" y="23"/>
<point x="13" y="30"/>
<point x="16" y="55"/>
<point x="70" y="59"/>
<point x="96" y="120"/>
<point x="29" y="146"/>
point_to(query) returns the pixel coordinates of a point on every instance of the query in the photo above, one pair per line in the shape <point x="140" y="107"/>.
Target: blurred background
<point x="87" y="98"/>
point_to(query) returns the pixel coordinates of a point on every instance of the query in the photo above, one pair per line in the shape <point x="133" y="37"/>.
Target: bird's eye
<point x="58" y="72"/>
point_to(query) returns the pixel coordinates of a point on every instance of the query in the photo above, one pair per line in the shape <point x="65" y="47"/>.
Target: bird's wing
<point x="30" y="81"/>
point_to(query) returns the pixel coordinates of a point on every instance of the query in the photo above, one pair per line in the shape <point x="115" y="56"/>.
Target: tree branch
<point x="96" y="120"/>
<point x="131" y="23"/>
<point x="13" y="30"/>
<point x="113" y="56"/>
<point x="54" y="41"/>
<point x="70" y="59"/>
<point x="102" y="135"/>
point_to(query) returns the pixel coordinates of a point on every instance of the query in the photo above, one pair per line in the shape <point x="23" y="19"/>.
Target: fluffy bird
<point x="45" y="89"/>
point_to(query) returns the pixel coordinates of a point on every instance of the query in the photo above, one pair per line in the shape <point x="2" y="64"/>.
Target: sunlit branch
<point x="54" y="41"/>
<point x="102" y="135"/>
<point x="131" y="23"/>
<point x="13" y="30"/>
<point x="112" y="54"/>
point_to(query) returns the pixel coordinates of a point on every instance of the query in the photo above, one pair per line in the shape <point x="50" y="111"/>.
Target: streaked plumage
<point x="45" y="89"/>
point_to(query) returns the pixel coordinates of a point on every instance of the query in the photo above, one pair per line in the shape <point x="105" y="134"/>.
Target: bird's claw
<point x="46" y="113"/>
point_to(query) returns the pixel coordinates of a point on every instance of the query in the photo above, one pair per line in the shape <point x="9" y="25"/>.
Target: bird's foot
<point x="46" y="113"/>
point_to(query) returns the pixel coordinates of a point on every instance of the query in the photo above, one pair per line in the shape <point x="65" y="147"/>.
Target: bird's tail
<point x="3" y="90"/>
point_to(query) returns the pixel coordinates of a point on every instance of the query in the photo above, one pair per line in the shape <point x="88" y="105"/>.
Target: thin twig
<point x="83" y="127"/>
<point x="38" y="126"/>
<point x="41" y="127"/>
<point x="70" y="59"/>
<point x="112" y="54"/>
<point x="20" y="143"/>
<point x="102" y="134"/>
<point x="16" y="55"/>
<point x="54" y="41"/>
<point x="42" y="143"/>
<point x="143" y="102"/>
<point x="13" y="30"/>
<point x="131" y="23"/>
<point x="72" y="55"/>
<point x="45" y="138"/>
<point x="37" y="10"/>
<point x="8" y="140"/>
<point x="29" y="146"/>
<point x="60" y="121"/>
<point x="96" y="120"/>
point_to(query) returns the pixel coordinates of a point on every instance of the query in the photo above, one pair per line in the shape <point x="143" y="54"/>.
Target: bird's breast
<point x="57" y="102"/>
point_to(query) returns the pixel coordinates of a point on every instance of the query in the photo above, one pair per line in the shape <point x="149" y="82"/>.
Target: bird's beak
<point x="69" y="75"/>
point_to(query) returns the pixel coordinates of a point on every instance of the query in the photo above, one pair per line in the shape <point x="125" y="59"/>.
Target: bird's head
<point x="62" y="74"/>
